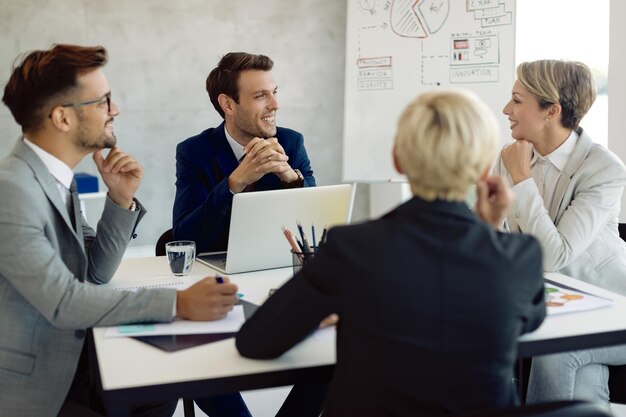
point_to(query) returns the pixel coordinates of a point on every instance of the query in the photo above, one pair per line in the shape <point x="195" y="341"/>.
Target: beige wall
<point x="617" y="85"/>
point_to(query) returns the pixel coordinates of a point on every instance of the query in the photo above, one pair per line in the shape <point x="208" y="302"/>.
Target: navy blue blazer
<point x="203" y="201"/>
<point x="431" y="302"/>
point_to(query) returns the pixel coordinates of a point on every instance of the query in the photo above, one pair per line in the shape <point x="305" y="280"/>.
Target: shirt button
<point x="517" y="214"/>
<point x="79" y="334"/>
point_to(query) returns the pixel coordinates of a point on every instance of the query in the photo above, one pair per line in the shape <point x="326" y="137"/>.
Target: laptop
<point x="256" y="240"/>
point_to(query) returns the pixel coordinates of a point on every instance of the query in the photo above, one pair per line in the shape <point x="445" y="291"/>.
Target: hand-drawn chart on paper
<point x="397" y="49"/>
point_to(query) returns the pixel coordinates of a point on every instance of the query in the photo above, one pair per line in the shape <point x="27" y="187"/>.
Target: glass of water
<point x="180" y="255"/>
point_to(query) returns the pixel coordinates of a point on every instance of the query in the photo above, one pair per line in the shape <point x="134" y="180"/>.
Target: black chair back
<point x="617" y="374"/>
<point x="167" y="236"/>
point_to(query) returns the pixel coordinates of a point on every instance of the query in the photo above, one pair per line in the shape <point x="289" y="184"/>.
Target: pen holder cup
<point x="300" y="259"/>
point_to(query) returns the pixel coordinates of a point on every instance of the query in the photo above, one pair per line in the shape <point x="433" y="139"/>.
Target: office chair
<point x="617" y="374"/>
<point x="553" y="409"/>
<point x="159" y="249"/>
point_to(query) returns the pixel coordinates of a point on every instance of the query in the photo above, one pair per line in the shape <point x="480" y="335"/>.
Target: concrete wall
<point x="160" y="54"/>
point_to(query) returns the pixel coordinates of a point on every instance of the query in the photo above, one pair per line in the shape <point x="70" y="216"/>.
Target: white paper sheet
<point x="561" y="299"/>
<point x="230" y="324"/>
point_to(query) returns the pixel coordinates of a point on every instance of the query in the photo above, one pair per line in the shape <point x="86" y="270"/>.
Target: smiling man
<point x="247" y="152"/>
<point x="50" y="257"/>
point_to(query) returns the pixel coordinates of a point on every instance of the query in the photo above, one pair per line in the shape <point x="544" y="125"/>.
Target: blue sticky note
<point x="136" y="328"/>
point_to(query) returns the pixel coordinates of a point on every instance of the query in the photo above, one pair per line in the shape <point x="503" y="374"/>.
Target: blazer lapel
<point x="45" y="180"/>
<point x="224" y="156"/>
<point x="581" y="150"/>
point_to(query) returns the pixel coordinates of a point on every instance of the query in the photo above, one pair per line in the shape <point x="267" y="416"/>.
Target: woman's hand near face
<point x="516" y="158"/>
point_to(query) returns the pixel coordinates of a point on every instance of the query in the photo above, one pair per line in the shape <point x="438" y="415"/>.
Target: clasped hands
<point x="261" y="156"/>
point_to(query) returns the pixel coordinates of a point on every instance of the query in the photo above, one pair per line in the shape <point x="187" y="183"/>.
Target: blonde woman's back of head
<point x="444" y="143"/>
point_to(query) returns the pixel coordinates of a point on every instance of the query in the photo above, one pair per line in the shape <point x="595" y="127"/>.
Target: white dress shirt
<point x="63" y="174"/>
<point x="234" y="145"/>
<point x="546" y="170"/>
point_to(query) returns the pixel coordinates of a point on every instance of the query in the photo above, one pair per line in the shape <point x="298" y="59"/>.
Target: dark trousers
<point x="83" y="399"/>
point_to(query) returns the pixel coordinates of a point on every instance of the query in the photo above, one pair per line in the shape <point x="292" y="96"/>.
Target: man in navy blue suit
<point x="247" y="152"/>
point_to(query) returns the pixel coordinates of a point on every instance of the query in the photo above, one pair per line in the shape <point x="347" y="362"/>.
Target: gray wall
<point x="160" y="54"/>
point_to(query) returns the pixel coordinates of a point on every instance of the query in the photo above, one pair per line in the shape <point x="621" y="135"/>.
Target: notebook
<point x="255" y="239"/>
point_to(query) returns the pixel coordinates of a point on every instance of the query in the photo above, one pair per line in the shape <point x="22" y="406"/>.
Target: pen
<point x="305" y="243"/>
<point x="300" y="230"/>
<point x="301" y="245"/>
<point x="220" y="280"/>
<point x="313" y="236"/>
<point x="323" y="239"/>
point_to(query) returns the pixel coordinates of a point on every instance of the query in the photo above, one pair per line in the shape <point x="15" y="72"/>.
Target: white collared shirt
<point x="62" y="174"/>
<point x="234" y="145"/>
<point x="546" y="170"/>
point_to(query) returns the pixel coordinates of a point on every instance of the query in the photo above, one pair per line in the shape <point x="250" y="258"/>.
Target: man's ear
<point x="396" y="163"/>
<point x="226" y="103"/>
<point x="61" y="119"/>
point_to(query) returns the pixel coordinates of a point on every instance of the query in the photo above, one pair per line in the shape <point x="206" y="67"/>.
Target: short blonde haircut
<point x="568" y="83"/>
<point x="445" y="142"/>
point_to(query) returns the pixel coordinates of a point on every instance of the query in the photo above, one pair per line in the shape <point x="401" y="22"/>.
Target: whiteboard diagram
<point x="418" y="19"/>
<point x="399" y="48"/>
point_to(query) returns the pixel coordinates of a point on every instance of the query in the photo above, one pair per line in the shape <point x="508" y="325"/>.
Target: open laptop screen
<point x="256" y="240"/>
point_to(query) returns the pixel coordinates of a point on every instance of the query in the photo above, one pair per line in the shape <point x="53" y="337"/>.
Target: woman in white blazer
<point x="568" y="192"/>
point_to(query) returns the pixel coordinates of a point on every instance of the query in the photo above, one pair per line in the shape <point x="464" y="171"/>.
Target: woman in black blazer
<point x="431" y="297"/>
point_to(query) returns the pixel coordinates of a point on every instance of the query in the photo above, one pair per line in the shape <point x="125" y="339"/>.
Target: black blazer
<point x="431" y="303"/>
<point x="203" y="201"/>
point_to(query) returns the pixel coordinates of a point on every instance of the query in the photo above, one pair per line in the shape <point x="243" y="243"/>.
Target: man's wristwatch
<point x="295" y="183"/>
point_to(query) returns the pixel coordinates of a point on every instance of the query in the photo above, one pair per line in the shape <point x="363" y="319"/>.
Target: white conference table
<point x="130" y="370"/>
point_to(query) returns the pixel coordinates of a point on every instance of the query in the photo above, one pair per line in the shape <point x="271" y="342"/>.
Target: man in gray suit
<point x="49" y="256"/>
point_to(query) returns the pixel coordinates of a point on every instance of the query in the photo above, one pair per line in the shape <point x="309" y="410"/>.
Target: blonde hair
<point x="444" y="143"/>
<point x="568" y="83"/>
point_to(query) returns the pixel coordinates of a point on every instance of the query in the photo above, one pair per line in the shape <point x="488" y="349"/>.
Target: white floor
<point x="619" y="410"/>
<point x="261" y="403"/>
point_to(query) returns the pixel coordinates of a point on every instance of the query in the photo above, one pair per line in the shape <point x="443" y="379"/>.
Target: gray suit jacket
<point x="578" y="234"/>
<point x="45" y="301"/>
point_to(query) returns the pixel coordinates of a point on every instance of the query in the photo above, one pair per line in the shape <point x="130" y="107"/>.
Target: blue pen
<point x="300" y="231"/>
<point x="220" y="280"/>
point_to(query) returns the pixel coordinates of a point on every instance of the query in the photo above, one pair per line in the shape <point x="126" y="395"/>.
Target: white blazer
<point x="579" y="233"/>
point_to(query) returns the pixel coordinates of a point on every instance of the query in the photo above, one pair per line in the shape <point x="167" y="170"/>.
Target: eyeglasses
<point x="106" y="98"/>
